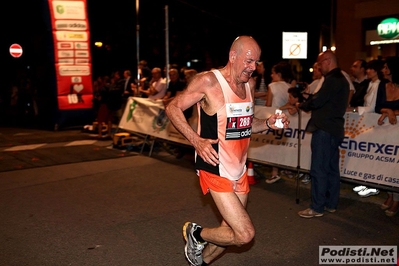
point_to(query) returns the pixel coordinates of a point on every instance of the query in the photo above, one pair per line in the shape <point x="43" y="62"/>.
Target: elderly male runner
<point x="225" y="101"/>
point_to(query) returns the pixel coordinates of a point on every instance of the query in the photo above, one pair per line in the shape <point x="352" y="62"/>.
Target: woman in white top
<point x="277" y="95"/>
<point x="277" y="92"/>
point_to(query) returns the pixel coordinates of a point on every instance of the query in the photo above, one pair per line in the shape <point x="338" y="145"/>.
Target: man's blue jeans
<point x="324" y="171"/>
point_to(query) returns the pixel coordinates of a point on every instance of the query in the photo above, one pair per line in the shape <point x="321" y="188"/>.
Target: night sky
<point x="204" y="29"/>
<point x="200" y="30"/>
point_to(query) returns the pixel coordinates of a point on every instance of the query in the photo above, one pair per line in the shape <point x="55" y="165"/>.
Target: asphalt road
<point x="127" y="208"/>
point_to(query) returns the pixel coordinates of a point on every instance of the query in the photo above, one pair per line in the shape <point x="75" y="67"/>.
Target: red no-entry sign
<point x="15" y="50"/>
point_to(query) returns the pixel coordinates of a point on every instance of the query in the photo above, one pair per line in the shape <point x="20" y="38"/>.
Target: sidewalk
<point x="25" y="148"/>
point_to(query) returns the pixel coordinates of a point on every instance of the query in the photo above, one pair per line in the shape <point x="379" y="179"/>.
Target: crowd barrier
<point x="368" y="154"/>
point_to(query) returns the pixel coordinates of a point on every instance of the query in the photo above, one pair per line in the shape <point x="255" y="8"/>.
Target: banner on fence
<point x="368" y="153"/>
<point x="148" y="117"/>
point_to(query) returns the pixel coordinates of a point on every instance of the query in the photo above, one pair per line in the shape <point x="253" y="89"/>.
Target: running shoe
<point x="368" y="192"/>
<point x="306" y="179"/>
<point x="359" y="188"/>
<point x="272" y="179"/>
<point x="193" y="248"/>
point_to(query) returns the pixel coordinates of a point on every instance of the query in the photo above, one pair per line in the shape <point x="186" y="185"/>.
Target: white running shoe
<point x="359" y="188"/>
<point x="306" y="179"/>
<point x="368" y="192"/>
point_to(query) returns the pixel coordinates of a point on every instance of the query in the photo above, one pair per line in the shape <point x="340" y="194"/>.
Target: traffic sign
<point x="16" y="50"/>
<point x="295" y="45"/>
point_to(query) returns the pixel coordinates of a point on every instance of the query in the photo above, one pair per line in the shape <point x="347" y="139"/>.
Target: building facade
<point x="355" y="30"/>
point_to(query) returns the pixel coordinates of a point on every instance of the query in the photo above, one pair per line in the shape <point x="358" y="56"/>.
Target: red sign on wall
<point x="16" y="50"/>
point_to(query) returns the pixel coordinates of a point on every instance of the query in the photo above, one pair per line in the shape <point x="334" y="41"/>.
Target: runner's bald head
<point x="243" y="43"/>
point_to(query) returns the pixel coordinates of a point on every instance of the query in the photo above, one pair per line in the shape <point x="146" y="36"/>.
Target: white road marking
<point x="25" y="147"/>
<point x="81" y="142"/>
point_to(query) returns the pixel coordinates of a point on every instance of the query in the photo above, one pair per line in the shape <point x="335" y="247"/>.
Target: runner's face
<point x="249" y="60"/>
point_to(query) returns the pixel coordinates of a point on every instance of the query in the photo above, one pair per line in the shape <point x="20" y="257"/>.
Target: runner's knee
<point x="244" y="237"/>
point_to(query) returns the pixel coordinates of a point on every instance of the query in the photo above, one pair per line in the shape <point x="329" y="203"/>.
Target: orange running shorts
<point x="220" y="184"/>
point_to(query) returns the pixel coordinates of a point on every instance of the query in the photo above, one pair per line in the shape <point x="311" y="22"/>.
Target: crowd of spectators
<point x="111" y="93"/>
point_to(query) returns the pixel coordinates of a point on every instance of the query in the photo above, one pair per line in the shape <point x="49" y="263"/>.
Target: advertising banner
<point x="148" y="117"/>
<point x="71" y="38"/>
<point x="368" y="153"/>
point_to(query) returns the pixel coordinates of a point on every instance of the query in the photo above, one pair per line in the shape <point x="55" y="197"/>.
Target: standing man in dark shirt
<point x="115" y="96"/>
<point x="127" y="83"/>
<point x="361" y="82"/>
<point x="327" y="108"/>
<point x="128" y="80"/>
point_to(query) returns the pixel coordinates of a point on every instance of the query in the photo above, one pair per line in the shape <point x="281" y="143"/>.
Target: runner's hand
<point x="204" y="149"/>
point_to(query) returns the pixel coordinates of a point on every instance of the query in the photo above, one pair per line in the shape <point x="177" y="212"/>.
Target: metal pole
<point x="299" y="156"/>
<point x="167" y="43"/>
<point x="332" y="12"/>
<point x="137" y="42"/>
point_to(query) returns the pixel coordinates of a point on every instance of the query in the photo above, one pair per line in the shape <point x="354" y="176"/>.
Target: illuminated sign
<point x="388" y="28"/>
<point x="295" y="45"/>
